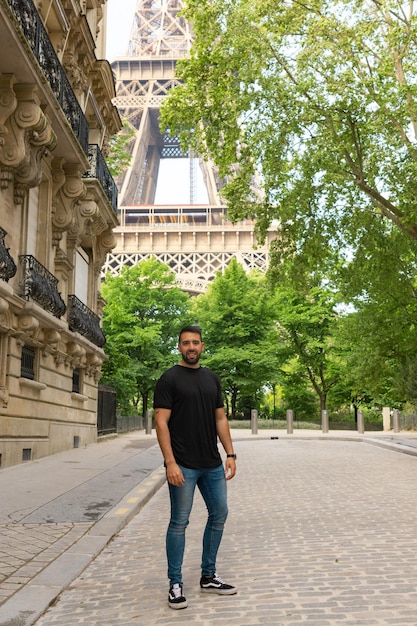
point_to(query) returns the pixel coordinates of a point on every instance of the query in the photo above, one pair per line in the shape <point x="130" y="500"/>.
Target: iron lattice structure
<point x="160" y="36"/>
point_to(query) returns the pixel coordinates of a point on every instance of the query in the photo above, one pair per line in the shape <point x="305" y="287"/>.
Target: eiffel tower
<point x="195" y="240"/>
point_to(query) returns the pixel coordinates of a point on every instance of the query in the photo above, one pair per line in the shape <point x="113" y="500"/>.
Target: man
<point x="189" y="417"/>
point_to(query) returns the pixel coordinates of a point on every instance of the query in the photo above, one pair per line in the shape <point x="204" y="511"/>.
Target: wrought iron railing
<point x="7" y="265"/>
<point x="83" y="320"/>
<point x="106" y="411"/>
<point x="38" y="39"/>
<point x="41" y="286"/>
<point x="98" y="169"/>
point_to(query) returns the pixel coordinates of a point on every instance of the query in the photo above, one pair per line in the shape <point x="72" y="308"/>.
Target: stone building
<point x="58" y="206"/>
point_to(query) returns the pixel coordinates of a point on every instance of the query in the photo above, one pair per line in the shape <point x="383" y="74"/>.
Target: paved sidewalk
<point x="57" y="514"/>
<point x="321" y="531"/>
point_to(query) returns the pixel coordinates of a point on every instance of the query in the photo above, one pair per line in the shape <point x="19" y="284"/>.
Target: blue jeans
<point x="212" y="486"/>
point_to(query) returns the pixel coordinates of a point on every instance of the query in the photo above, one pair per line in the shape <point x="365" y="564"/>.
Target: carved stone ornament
<point x="4" y="397"/>
<point x="28" y="324"/>
<point x="106" y="242"/>
<point x="4" y="306"/>
<point x="6" y="319"/>
<point x="50" y="341"/>
<point x="8" y="103"/>
<point x="68" y="190"/>
<point x="59" y="358"/>
<point x="75" y="354"/>
<point x="93" y="366"/>
<point x="88" y="221"/>
<point x="26" y="136"/>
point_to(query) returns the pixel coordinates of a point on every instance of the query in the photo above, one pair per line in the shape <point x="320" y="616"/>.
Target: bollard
<point x="386" y="418"/>
<point x="325" y="421"/>
<point x="290" y="421"/>
<point x="361" y="423"/>
<point x="396" y="420"/>
<point x="254" y="421"/>
<point x="148" y="426"/>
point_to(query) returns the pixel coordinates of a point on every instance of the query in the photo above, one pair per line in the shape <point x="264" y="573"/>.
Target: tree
<point x="145" y="311"/>
<point x="239" y="333"/>
<point x="317" y="102"/>
<point x="379" y="336"/>
<point x="297" y="392"/>
<point x="306" y="323"/>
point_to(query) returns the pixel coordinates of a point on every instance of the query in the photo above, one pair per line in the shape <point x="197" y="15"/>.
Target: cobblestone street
<point x="319" y="532"/>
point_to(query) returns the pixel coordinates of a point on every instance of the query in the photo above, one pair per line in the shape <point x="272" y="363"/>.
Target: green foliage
<point x="306" y="323"/>
<point x="144" y="313"/>
<point x="120" y="157"/>
<point x="309" y="111"/>
<point x="378" y="337"/>
<point x="297" y="394"/>
<point x="239" y="333"/>
<point x="317" y="102"/>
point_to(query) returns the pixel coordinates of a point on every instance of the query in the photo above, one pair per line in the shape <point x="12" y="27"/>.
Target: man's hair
<point x="190" y="329"/>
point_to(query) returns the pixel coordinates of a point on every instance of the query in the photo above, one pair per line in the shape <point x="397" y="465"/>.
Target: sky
<point x="119" y="23"/>
<point x="169" y="191"/>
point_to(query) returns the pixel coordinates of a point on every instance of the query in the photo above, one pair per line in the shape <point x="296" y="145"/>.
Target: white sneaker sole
<point x="220" y="592"/>
<point x="179" y="605"/>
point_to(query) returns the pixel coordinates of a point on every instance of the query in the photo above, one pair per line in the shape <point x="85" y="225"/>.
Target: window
<point x="27" y="454"/>
<point x="27" y="363"/>
<point x="33" y="210"/>
<point x="81" y="275"/>
<point x="76" y="381"/>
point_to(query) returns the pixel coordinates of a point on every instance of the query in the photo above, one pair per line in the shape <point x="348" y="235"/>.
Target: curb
<point x="394" y="446"/>
<point x="30" y="602"/>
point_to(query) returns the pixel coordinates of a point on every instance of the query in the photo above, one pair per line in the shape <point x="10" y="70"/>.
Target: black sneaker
<point x="176" y="599"/>
<point x="214" y="584"/>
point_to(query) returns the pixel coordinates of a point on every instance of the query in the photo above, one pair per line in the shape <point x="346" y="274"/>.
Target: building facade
<point x="58" y="209"/>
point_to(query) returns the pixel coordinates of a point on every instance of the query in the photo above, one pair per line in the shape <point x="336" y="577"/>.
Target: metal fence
<point x="126" y="424"/>
<point x="107" y="420"/>
<point x="106" y="411"/>
<point x="408" y="422"/>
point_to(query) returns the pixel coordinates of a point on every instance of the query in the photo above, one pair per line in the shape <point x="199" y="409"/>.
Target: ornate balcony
<point x="83" y="320"/>
<point x="7" y="265"/>
<point x="98" y="169"/>
<point x="38" y="39"/>
<point x="41" y="286"/>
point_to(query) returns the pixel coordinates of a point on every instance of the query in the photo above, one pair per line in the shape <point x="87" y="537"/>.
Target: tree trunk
<point x="234" y="403"/>
<point x="226" y="402"/>
<point x="145" y="397"/>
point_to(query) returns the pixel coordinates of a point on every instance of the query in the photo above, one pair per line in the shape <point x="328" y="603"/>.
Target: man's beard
<point x="191" y="360"/>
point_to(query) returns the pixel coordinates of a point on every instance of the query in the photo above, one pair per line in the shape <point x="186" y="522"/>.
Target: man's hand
<point x="174" y="474"/>
<point x="230" y="468"/>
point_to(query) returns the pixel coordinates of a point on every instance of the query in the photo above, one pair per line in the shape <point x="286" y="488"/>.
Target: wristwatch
<point x="231" y="456"/>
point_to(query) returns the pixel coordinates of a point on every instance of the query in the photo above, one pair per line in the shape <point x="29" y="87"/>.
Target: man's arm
<point x="223" y="432"/>
<point x="174" y="473"/>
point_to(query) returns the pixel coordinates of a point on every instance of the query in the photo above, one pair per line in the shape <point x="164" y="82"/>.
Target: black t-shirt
<point x="192" y="395"/>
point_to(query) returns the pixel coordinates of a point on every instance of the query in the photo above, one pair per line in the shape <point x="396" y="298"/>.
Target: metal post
<point x="254" y="421"/>
<point x="325" y="421"/>
<point x="361" y="423"/>
<point x="290" y="421"/>
<point x="396" y="420"/>
<point x="386" y="418"/>
<point x="148" y="423"/>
